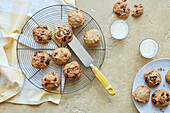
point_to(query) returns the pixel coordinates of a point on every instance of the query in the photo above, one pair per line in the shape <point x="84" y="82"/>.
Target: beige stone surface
<point x="122" y="61"/>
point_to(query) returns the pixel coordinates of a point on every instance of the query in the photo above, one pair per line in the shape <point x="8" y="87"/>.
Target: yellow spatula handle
<point x="103" y="80"/>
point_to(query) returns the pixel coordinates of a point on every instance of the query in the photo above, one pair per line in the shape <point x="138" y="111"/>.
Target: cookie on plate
<point x="92" y="38"/>
<point x="152" y="78"/>
<point x="63" y="34"/>
<point x="42" y="34"/>
<point x="160" y="98"/>
<point x="40" y="60"/>
<point x="72" y="71"/>
<point x="76" y="18"/>
<point x="167" y="77"/>
<point x="51" y="81"/>
<point x="141" y="94"/>
<point x="139" y="10"/>
<point x="121" y="10"/>
<point x="61" y="55"/>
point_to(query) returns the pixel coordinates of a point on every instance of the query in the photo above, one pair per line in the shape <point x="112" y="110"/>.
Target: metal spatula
<point x="87" y="60"/>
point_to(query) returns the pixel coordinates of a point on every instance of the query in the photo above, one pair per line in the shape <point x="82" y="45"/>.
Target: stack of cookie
<point x="160" y="97"/>
<point x="63" y="35"/>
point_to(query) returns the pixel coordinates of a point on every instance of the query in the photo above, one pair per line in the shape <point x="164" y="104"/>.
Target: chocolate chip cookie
<point x="63" y="34"/>
<point x="51" y="81"/>
<point x="61" y="56"/>
<point x="160" y="98"/>
<point x="139" y="10"/>
<point x="92" y="38"/>
<point x="152" y="78"/>
<point x="40" y="60"/>
<point x="167" y="77"/>
<point x="76" y="18"/>
<point x="121" y="10"/>
<point x="141" y="94"/>
<point x="72" y="71"/>
<point x="42" y="34"/>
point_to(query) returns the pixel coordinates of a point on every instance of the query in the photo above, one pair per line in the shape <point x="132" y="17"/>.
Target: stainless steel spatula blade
<point x="79" y="50"/>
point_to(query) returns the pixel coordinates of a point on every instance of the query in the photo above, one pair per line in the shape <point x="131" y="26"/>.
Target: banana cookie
<point x="152" y="78"/>
<point x="76" y="18"/>
<point x="72" y="71"/>
<point x="40" y="60"/>
<point x="160" y="98"/>
<point x="167" y="77"/>
<point x="63" y="34"/>
<point x="92" y="38"/>
<point x="42" y="34"/>
<point x="141" y="94"/>
<point x="139" y="10"/>
<point x="121" y="10"/>
<point x="61" y="55"/>
<point x="51" y="81"/>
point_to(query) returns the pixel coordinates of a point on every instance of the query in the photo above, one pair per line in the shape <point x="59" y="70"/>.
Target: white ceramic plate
<point x="139" y="80"/>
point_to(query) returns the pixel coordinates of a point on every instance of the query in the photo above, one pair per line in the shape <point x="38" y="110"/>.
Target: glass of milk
<point x="119" y="29"/>
<point x="149" y="48"/>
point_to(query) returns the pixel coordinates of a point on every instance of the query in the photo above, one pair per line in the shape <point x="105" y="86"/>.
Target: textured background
<point x="122" y="61"/>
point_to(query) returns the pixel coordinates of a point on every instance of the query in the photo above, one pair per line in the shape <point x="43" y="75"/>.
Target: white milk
<point x="149" y="48"/>
<point x="119" y="29"/>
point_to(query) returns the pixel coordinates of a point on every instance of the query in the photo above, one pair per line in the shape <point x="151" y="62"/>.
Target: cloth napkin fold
<point x="13" y="85"/>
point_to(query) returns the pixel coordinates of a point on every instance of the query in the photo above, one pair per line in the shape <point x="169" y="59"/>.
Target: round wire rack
<point x="26" y="47"/>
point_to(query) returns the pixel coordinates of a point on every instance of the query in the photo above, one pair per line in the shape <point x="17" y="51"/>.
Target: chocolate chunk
<point x="168" y="99"/>
<point x="39" y="38"/>
<point x="45" y="27"/>
<point x="58" y="33"/>
<point x="35" y="54"/>
<point x="75" y="76"/>
<point x="38" y="27"/>
<point x="66" y="76"/>
<point x="64" y="38"/>
<point x="124" y="0"/>
<point x="153" y="94"/>
<point x="167" y="95"/>
<point x="117" y="13"/>
<point x="49" y="38"/>
<point x="154" y="101"/>
<point x="69" y="37"/>
<point x="40" y="51"/>
<point x="68" y="32"/>
<point x="45" y="79"/>
<point x="54" y="85"/>
<point x="154" y="78"/>
<point x="46" y="84"/>
<point x="157" y="83"/>
<point x="122" y="6"/>
<point x="42" y="59"/>
<point x="136" y="11"/>
<point x="162" y="94"/>
<point x="47" y="62"/>
<point x="55" y="79"/>
<point x="68" y="70"/>
<point x="42" y="33"/>
<point x="146" y="80"/>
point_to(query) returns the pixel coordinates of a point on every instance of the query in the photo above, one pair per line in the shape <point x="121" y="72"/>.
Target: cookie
<point x="76" y="18"/>
<point x="139" y="10"/>
<point x="160" y="98"/>
<point x="42" y="34"/>
<point x="72" y="71"/>
<point x="121" y="10"/>
<point x="141" y="94"/>
<point x="51" y="81"/>
<point x="61" y="55"/>
<point x="167" y="77"/>
<point x="92" y="38"/>
<point x="40" y="60"/>
<point x="63" y="34"/>
<point x="152" y="78"/>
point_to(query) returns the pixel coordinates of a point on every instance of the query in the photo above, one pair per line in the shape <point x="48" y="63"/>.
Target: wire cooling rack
<point x="26" y="47"/>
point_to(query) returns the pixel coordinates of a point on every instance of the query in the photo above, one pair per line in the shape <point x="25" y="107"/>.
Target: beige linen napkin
<point x="12" y="83"/>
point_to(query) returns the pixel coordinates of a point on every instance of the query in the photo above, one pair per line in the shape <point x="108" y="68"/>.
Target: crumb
<point x="161" y="110"/>
<point x="163" y="69"/>
<point x="160" y="69"/>
<point x="164" y="85"/>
